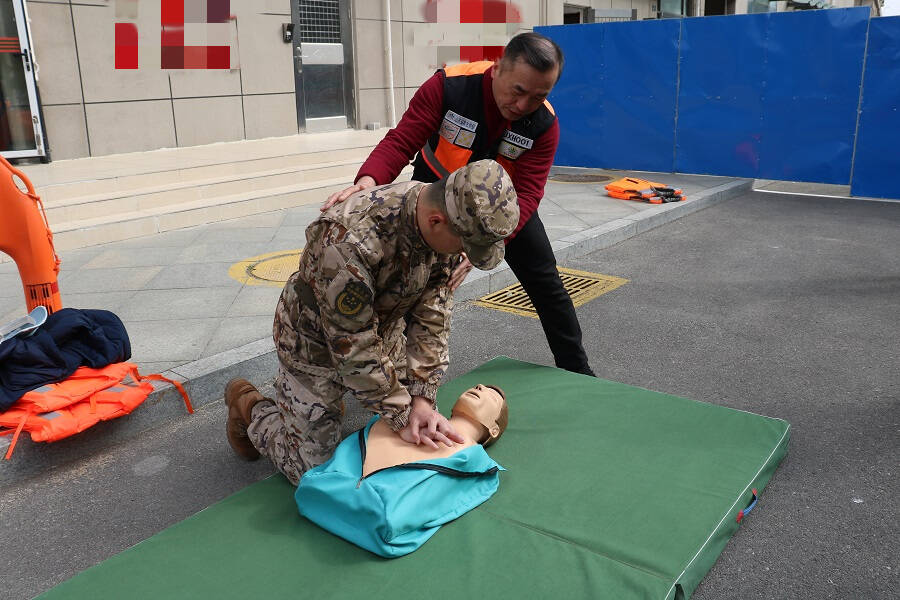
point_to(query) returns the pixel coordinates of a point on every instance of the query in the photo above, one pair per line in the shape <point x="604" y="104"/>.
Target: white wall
<point x="91" y="108"/>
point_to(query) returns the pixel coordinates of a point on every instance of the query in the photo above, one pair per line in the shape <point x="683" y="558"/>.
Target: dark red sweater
<point x="423" y="118"/>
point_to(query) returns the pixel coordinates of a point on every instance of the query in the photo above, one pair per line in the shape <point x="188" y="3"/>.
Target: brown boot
<point x="240" y="398"/>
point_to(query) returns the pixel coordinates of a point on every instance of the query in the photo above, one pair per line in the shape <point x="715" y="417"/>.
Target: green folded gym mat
<point x="612" y="491"/>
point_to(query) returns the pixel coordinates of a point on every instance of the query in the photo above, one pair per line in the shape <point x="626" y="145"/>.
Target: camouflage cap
<point x="483" y="209"/>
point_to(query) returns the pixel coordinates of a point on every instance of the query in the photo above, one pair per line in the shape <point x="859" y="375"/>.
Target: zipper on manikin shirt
<point x="415" y="465"/>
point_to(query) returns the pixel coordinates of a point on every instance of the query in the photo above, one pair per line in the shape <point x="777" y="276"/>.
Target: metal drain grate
<point x="579" y="178"/>
<point x="271" y="269"/>
<point x="581" y="286"/>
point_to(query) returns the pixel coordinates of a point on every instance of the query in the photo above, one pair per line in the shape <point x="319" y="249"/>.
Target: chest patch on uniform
<point x="518" y="140"/>
<point x="461" y="121"/>
<point x="465" y="138"/>
<point x="513" y="145"/>
<point x="449" y="130"/>
<point x="352" y="299"/>
<point x="510" y="151"/>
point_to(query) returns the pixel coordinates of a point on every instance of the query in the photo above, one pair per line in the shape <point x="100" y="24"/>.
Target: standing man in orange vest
<point x="499" y="110"/>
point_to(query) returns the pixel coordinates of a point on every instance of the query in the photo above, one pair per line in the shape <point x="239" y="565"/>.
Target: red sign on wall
<point x="194" y="34"/>
<point x="472" y="12"/>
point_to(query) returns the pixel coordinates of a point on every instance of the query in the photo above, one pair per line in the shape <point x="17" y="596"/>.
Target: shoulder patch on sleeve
<point x="353" y="298"/>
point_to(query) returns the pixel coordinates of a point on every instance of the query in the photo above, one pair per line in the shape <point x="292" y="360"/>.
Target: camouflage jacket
<point x="369" y="271"/>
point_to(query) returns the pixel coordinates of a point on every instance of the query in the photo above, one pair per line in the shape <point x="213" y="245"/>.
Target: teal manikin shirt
<point x="393" y="511"/>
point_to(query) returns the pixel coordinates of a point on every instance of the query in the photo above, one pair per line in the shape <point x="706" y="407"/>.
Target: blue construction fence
<point x="803" y="96"/>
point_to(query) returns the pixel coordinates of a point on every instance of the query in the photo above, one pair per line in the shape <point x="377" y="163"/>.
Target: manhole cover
<point x="579" y="178"/>
<point x="581" y="286"/>
<point x="271" y="269"/>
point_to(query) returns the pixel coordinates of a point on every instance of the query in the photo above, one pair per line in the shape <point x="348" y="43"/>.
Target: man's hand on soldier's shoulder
<point x="427" y="426"/>
<point x="460" y="272"/>
<point x="364" y="182"/>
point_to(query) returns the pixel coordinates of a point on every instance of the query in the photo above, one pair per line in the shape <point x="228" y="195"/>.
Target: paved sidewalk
<point x="188" y="319"/>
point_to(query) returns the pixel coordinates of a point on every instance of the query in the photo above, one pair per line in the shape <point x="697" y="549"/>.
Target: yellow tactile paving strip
<point x="271" y="269"/>
<point x="581" y="286"/>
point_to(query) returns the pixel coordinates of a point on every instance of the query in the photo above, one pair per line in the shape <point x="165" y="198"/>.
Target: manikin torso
<point x="385" y="448"/>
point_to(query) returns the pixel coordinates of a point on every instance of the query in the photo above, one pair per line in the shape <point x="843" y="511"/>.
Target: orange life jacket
<point x="462" y="137"/>
<point x="58" y="410"/>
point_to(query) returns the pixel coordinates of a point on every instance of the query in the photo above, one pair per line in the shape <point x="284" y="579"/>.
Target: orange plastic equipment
<point x="58" y="410"/>
<point x="25" y="236"/>
<point x="632" y="184"/>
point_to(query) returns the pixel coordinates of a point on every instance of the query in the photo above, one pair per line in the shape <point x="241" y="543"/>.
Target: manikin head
<point x="522" y="79"/>
<point x="471" y="210"/>
<point x="484" y="405"/>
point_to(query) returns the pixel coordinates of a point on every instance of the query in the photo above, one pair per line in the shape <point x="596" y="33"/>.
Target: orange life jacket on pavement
<point x="462" y="137"/>
<point x="58" y="410"/>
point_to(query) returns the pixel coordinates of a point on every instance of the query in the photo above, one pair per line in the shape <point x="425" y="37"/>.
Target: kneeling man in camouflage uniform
<point x="369" y="312"/>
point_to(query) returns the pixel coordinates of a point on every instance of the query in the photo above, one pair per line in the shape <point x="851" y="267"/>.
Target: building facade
<point x="100" y="77"/>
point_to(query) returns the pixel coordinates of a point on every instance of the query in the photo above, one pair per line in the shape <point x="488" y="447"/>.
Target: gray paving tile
<point x="10" y="285"/>
<point x="237" y="331"/>
<point x="112" y="301"/>
<point x="269" y="219"/>
<point x="562" y="218"/>
<point x="148" y="367"/>
<point x="594" y="218"/>
<point x="74" y="259"/>
<point x="185" y="303"/>
<point x="86" y="281"/>
<point x="290" y="237"/>
<point x="133" y="257"/>
<point x="206" y="253"/>
<point x="177" y="340"/>
<point x="301" y="216"/>
<point x="12" y="311"/>
<point x="168" y="239"/>
<point x="193" y="275"/>
<point x="236" y="234"/>
<point x="255" y="300"/>
<point x="555" y="233"/>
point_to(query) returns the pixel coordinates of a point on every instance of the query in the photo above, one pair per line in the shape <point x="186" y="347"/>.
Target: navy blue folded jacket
<point x="70" y="338"/>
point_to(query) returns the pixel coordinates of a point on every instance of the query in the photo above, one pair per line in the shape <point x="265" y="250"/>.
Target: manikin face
<point x="520" y="89"/>
<point x="485" y="405"/>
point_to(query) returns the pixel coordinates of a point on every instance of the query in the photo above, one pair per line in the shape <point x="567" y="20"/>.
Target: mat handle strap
<point x="749" y="506"/>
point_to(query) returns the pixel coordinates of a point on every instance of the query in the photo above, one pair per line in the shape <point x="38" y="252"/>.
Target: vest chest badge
<point x="513" y="145"/>
<point x="458" y="130"/>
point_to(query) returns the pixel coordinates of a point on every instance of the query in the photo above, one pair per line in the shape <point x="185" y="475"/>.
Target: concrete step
<point x="151" y="220"/>
<point x="183" y="191"/>
<point x="117" y="186"/>
<point x="101" y="168"/>
<point x="103" y="229"/>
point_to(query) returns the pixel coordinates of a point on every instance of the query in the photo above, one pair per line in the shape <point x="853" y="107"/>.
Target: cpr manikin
<point x="389" y="496"/>
<point x="477" y="416"/>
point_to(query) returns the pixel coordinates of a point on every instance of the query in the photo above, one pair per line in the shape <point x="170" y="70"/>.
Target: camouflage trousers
<point x="301" y="427"/>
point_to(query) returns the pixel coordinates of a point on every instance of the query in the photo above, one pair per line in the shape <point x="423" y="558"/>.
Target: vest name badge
<point x="518" y="140"/>
<point x="513" y="145"/>
<point x="461" y="121"/>
<point x="458" y="130"/>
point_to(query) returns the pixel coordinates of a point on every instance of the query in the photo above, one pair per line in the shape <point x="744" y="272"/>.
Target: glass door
<point x="20" y="122"/>
<point x="323" y="64"/>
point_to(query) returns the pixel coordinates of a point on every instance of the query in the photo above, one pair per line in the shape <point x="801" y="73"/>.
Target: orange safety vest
<point x="462" y="137"/>
<point x="58" y="410"/>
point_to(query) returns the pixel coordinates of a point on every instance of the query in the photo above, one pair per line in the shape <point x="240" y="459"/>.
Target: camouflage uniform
<point x="368" y="311"/>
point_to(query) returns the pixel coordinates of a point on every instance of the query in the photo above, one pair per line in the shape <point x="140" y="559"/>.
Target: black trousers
<point x="531" y="258"/>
